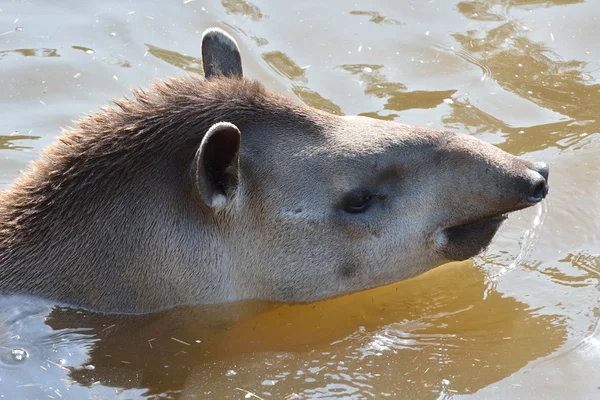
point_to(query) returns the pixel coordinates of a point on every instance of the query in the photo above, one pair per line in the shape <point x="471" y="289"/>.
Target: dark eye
<point x="357" y="204"/>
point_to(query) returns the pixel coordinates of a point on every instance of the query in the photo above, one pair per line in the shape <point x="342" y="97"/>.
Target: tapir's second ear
<point x="215" y="169"/>
<point x="220" y="54"/>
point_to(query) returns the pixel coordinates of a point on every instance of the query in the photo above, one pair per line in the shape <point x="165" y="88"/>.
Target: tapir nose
<point x="538" y="182"/>
<point x="543" y="169"/>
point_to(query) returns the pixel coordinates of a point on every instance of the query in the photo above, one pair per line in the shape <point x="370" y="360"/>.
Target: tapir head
<point x="312" y="205"/>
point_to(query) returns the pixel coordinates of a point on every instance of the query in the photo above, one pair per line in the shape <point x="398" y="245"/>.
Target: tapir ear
<point x="215" y="167"/>
<point x="220" y="54"/>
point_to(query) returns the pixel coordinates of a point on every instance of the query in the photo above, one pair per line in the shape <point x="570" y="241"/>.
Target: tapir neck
<point x="123" y="247"/>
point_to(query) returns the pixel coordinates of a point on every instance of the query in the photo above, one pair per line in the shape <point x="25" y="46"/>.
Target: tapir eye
<point x="355" y="204"/>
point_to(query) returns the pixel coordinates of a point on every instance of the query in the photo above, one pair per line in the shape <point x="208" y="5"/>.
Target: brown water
<point x="519" y="322"/>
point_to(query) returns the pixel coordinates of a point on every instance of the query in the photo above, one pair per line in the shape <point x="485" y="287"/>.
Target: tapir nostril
<point x="543" y="169"/>
<point x="539" y="190"/>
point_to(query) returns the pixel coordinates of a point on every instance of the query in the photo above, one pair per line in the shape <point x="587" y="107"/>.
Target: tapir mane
<point x="117" y="142"/>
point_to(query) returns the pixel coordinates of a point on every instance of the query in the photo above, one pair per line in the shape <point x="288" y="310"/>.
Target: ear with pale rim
<point x="220" y="54"/>
<point x="215" y="168"/>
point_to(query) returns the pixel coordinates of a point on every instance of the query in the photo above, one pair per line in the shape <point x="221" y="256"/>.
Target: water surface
<point x="519" y="322"/>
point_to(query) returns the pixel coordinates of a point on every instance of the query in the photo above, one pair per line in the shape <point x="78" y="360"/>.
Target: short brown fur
<point x="135" y="210"/>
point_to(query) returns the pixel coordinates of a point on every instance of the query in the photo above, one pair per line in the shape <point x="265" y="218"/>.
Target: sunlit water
<point x="520" y="321"/>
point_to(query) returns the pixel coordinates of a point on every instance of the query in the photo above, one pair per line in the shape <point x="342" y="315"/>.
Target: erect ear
<point x="220" y="54"/>
<point x="215" y="167"/>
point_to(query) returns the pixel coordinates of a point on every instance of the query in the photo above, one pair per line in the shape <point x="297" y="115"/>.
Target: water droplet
<point x="198" y="341"/>
<point x="113" y="34"/>
<point x="19" y="28"/>
<point x="62" y="361"/>
<point x="19" y="354"/>
<point x="367" y="69"/>
<point x="230" y="373"/>
<point x="90" y="367"/>
<point x="269" y="382"/>
<point x="90" y="51"/>
<point x="448" y="101"/>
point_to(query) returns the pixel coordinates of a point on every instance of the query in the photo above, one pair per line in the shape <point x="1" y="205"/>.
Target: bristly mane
<point x="113" y="142"/>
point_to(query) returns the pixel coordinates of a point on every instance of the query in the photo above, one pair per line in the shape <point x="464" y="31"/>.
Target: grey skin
<point x="218" y="190"/>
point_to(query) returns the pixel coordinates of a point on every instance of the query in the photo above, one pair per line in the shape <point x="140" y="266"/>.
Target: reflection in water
<point x="376" y="17"/>
<point x="186" y="63"/>
<point x="478" y="10"/>
<point x="584" y="270"/>
<point x="117" y="60"/>
<point x="84" y="49"/>
<point x="41" y="52"/>
<point x="87" y="353"/>
<point x="8" y="142"/>
<point x="532" y="71"/>
<point x="417" y="339"/>
<point x="545" y="3"/>
<point x="398" y="99"/>
<point x="314" y="99"/>
<point x="242" y="7"/>
<point x="285" y="66"/>
<point x="434" y="334"/>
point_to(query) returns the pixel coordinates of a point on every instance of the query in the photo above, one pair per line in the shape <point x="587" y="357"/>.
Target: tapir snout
<point x="538" y="185"/>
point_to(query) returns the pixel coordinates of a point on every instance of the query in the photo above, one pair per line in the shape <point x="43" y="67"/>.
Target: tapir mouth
<point x="471" y="238"/>
<point x="473" y="224"/>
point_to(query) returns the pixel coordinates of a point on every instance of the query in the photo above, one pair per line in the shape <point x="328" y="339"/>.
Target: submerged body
<point x="217" y="190"/>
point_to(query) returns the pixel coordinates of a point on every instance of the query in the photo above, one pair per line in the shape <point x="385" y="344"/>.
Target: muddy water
<point x="520" y="321"/>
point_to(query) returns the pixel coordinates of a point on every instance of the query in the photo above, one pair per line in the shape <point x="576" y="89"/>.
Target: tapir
<point x="217" y="190"/>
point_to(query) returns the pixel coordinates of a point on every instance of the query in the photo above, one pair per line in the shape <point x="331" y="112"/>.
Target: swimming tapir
<point x="217" y="190"/>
